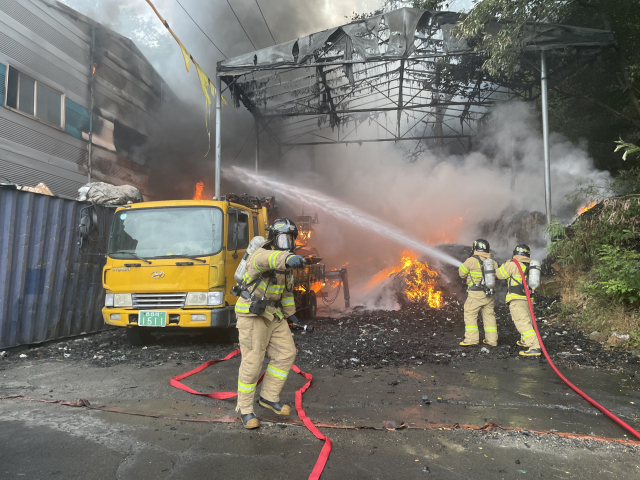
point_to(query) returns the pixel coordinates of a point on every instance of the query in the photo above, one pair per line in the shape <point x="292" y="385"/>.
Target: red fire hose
<point x="613" y="417"/>
<point x="326" y="449"/>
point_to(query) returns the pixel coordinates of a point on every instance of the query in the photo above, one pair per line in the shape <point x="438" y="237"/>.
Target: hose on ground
<point x="613" y="417"/>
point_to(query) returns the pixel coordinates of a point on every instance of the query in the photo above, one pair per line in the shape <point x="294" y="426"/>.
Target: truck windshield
<point x="166" y="232"/>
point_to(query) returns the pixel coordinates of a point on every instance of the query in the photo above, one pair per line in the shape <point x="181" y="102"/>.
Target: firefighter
<point x="479" y="298"/>
<point x="517" y="299"/>
<point x="263" y="307"/>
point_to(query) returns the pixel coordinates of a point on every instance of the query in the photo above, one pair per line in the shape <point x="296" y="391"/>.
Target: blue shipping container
<point x="48" y="289"/>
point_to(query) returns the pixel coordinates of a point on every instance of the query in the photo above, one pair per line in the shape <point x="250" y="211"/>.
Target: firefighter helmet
<point x="282" y="234"/>
<point x="481" y="245"/>
<point x="523" y="250"/>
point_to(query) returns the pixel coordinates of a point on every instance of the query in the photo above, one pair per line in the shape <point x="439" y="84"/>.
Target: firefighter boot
<point x="520" y="343"/>
<point x="467" y="344"/>
<point x="275" y="406"/>
<point x="484" y="340"/>
<point x="250" y="421"/>
<point x="531" y="352"/>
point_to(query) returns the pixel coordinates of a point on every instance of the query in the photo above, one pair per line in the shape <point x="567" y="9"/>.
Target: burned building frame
<point x="401" y="72"/>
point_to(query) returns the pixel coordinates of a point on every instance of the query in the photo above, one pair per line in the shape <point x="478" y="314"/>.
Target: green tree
<point x="599" y="98"/>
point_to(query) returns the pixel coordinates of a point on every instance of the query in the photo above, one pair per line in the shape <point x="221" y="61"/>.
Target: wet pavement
<point x="43" y="440"/>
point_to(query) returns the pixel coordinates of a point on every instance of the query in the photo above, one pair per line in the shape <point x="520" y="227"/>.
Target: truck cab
<point x="170" y="264"/>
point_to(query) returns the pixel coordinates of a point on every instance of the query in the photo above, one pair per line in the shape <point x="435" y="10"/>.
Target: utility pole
<point x="218" y="133"/>
<point x="545" y="134"/>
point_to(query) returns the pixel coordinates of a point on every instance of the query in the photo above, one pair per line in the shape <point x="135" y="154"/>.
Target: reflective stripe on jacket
<point x="275" y="287"/>
<point x="509" y="271"/>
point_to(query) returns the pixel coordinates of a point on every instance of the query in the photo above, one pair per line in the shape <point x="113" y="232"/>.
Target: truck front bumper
<point x="223" y="317"/>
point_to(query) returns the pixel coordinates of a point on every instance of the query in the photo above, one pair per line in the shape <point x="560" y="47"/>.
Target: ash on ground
<point x="414" y="335"/>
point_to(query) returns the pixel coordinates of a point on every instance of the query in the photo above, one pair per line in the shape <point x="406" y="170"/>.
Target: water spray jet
<point x="340" y="211"/>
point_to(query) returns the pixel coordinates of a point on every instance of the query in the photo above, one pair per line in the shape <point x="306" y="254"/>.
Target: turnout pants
<point x="258" y="336"/>
<point x="479" y="302"/>
<point x="522" y="318"/>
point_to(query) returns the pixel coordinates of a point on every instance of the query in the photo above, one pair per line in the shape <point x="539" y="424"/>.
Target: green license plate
<point x="152" y="318"/>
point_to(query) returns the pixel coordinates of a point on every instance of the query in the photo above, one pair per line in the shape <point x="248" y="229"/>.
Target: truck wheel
<point x="232" y="335"/>
<point x="312" y="305"/>
<point x="138" y="336"/>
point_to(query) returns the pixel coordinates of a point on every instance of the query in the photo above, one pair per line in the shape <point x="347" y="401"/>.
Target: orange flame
<point x="304" y="236"/>
<point x="586" y="207"/>
<point x="419" y="280"/>
<point x="198" y="194"/>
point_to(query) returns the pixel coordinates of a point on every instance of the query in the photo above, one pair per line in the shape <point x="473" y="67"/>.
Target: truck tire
<point x="312" y="305"/>
<point x="138" y="336"/>
<point x="232" y="335"/>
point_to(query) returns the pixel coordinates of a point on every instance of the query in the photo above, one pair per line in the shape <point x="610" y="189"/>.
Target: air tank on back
<point x="534" y="274"/>
<point x="489" y="273"/>
<point x="255" y="244"/>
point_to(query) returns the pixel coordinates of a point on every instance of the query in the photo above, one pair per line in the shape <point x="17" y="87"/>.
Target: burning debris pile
<point x="413" y="281"/>
<point x="586" y="207"/>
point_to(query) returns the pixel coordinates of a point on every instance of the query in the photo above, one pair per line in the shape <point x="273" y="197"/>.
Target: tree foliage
<point x="595" y="97"/>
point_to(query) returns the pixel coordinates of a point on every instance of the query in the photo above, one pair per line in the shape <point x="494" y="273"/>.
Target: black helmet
<point x="481" y="245"/>
<point x="523" y="250"/>
<point x="282" y="234"/>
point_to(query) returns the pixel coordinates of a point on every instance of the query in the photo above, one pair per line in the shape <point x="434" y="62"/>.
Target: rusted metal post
<point x="545" y="134"/>
<point x="218" y="133"/>
<point x="345" y="288"/>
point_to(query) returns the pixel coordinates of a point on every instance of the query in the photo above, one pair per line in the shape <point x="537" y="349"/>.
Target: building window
<point x="34" y="98"/>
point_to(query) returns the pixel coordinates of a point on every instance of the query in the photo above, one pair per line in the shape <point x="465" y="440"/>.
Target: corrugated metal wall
<point x="48" y="290"/>
<point x="52" y="43"/>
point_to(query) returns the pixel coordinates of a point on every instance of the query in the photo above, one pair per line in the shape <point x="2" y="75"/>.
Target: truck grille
<point x="156" y="301"/>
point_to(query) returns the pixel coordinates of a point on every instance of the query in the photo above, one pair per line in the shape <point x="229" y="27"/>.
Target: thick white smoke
<point x="436" y="199"/>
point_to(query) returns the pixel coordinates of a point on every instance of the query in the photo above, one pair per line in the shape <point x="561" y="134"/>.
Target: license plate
<point x="152" y="318"/>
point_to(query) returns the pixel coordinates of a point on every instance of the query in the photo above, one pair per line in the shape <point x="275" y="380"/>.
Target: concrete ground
<point x="47" y="440"/>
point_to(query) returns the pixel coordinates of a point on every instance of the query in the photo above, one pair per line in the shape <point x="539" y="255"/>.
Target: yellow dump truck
<point x="170" y="265"/>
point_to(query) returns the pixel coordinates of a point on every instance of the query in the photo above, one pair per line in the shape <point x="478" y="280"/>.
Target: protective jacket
<point x="509" y="271"/>
<point x="471" y="270"/>
<point x="266" y="278"/>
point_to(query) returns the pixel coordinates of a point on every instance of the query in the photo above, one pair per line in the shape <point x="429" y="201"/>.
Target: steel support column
<point x="257" y="144"/>
<point x="545" y="134"/>
<point x="218" y="134"/>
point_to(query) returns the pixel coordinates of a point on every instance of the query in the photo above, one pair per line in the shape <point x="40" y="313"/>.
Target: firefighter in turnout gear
<point x="479" y="298"/>
<point x="517" y="299"/>
<point x="265" y="303"/>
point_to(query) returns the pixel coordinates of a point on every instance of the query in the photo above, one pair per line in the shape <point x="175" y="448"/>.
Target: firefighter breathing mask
<point x="284" y="241"/>
<point x="282" y="234"/>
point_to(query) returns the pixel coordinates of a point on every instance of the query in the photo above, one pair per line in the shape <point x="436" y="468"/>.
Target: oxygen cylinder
<point x="255" y="244"/>
<point x="489" y="274"/>
<point x="534" y="274"/>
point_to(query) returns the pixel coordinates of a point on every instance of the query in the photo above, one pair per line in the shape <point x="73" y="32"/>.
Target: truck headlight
<point x="203" y="299"/>
<point x="215" y="298"/>
<point x="196" y="299"/>
<point x="108" y="300"/>
<point x="122" y="300"/>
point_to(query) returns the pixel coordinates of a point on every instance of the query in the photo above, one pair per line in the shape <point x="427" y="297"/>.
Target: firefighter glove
<point x="295" y="261"/>
<point x="294" y="320"/>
